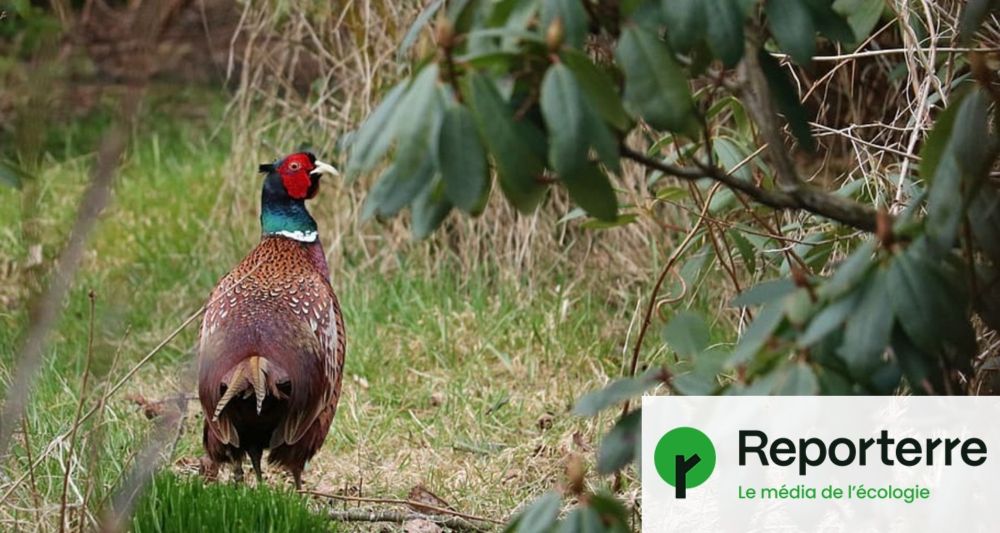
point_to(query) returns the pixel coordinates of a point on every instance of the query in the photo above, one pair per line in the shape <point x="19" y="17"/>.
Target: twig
<point x="76" y="417"/>
<point x="806" y="198"/>
<point x="654" y="295"/>
<point x="893" y="51"/>
<point x="396" y="501"/>
<point x="46" y="309"/>
<point x="398" y="517"/>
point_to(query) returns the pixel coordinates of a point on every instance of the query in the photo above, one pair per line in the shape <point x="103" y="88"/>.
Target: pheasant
<point x="272" y="344"/>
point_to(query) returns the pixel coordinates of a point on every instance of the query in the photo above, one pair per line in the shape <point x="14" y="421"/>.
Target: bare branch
<point x="805" y="197"/>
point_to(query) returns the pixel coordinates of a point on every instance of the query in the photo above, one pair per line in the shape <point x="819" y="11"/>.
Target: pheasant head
<point x="289" y="182"/>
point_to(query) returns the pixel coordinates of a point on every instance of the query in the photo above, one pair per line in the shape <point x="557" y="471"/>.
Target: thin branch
<point x="396" y="501"/>
<point x="398" y="517"/>
<point x="806" y="198"/>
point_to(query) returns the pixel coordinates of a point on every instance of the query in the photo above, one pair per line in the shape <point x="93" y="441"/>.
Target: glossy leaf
<point x="974" y="15"/>
<point x="867" y="332"/>
<point x="764" y="292"/>
<point x="862" y="15"/>
<point x="539" y="516"/>
<point x="375" y="136"/>
<point x="829" y="22"/>
<point x="590" y="189"/>
<point x="791" y="24"/>
<point x="725" y="30"/>
<point x="655" y="86"/>
<point x="572" y="16"/>
<point x="796" y="379"/>
<point x="418" y="25"/>
<point x="429" y="209"/>
<point x="419" y="117"/>
<point x="930" y="308"/>
<point x="787" y="100"/>
<point x="686" y="22"/>
<point x="621" y="445"/>
<point x="616" y="392"/>
<point x="757" y="334"/>
<point x="518" y="148"/>
<point x="687" y="333"/>
<point x="828" y="320"/>
<point x="396" y="188"/>
<point x="461" y="159"/>
<point x="599" y="88"/>
<point x="851" y="272"/>
<point x="963" y="165"/>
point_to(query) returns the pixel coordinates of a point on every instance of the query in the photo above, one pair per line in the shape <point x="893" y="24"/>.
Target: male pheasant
<point x="272" y="343"/>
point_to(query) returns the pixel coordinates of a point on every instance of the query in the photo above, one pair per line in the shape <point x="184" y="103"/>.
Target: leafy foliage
<point x="555" y="88"/>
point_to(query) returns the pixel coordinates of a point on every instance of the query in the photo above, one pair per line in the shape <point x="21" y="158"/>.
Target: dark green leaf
<point x="573" y="17"/>
<point x="419" y="117"/>
<point x="538" y="517"/>
<point x="920" y="369"/>
<point x="582" y="520"/>
<point x="462" y="161"/>
<point x="937" y="141"/>
<point x="764" y="292"/>
<point x="375" y="136"/>
<point x="590" y="189"/>
<point x="862" y="15"/>
<point x="613" y="513"/>
<point x="787" y="100"/>
<point x="930" y="307"/>
<point x="757" y="334"/>
<point x="973" y="15"/>
<point x="564" y="110"/>
<point x="687" y="333"/>
<point x="731" y="154"/>
<point x="702" y="379"/>
<point x="686" y="22"/>
<point x="963" y="165"/>
<point x="829" y="22"/>
<point x="725" y="30"/>
<point x="867" y="332"/>
<point x="796" y="379"/>
<point x="746" y="250"/>
<point x="619" y="446"/>
<point x="397" y="186"/>
<point x="984" y="219"/>
<point x="850" y="272"/>
<point x="828" y="320"/>
<point x="655" y="86"/>
<point x="616" y="392"/>
<point x="429" y="209"/>
<point x="517" y="147"/>
<point x="599" y="88"/>
<point x="791" y="23"/>
<point x="418" y="25"/>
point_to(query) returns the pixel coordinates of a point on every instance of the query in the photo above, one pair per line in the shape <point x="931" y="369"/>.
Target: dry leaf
<point x="420" y="495"/>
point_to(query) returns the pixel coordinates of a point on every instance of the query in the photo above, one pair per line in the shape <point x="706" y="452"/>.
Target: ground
<point x="460" y="373"/>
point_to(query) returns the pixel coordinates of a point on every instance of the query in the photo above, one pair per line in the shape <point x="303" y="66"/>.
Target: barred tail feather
<point x="251" y="374"/>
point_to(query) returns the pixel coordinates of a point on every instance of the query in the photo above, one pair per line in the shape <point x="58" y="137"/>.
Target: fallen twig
<point x="397" y="501"/>
<point x="399" y="517"/>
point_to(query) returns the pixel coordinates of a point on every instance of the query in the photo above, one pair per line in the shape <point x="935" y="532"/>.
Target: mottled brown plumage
<point x="271" y="353"/>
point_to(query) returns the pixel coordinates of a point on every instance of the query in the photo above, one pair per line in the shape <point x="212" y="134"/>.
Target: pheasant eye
<point x="294" y="167"/>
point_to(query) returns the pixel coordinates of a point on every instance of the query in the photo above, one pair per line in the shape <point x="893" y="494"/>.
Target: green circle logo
<point x="684" y="458"/>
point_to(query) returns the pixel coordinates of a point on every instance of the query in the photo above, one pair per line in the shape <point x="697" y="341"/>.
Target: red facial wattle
<point x="294" y="172"/>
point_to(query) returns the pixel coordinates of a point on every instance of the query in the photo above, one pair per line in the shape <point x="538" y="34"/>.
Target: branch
<point x="399" y="517"/>
<point x="805" y="197"/>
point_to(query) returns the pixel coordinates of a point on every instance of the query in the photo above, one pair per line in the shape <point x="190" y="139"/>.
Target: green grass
<point x="458" y="379"/>
<point x="176" y="504"/>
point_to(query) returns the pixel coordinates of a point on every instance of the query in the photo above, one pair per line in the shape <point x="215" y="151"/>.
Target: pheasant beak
<point x="323" y="168"/>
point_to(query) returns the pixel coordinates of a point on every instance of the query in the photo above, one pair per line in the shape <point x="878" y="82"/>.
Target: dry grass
<point x="466" y="350"/>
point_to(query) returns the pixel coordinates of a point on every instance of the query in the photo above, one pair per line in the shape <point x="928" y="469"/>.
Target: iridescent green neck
<point x="288" y="218"/>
